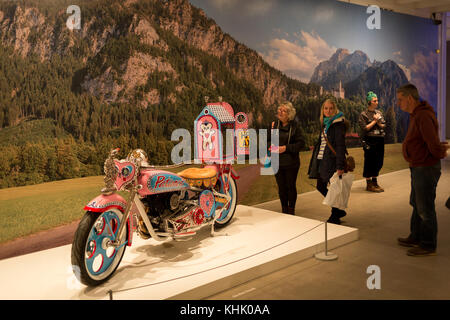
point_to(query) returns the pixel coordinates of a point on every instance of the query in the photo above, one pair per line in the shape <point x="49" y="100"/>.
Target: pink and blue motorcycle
<point x="160" y="204"/>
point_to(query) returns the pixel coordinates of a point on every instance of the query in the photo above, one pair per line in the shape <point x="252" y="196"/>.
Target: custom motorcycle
<point x="160" y="205"/>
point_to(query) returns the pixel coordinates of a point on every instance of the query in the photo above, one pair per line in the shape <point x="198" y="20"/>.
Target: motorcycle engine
<point x="161" y="207"/>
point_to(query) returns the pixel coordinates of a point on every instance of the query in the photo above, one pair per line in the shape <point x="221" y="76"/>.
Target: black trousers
<point x="322" y="187"/>
<point x="287" y="185"/>
<point x="373" y="156"/>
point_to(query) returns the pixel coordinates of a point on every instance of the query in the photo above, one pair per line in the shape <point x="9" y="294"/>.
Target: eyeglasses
<point x="282" y="111"/>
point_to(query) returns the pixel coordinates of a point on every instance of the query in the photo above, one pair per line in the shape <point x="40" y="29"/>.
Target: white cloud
<point x="399" y="60"/>
<point x="398" y="55"/>
<point x="406" y="70"/>
<point x="221" y="4"/>
<point x="323" y="14"/>
<point x="296" y="60"/>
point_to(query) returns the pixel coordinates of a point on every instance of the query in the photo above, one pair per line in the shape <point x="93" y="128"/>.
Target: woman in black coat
<point x="290" y="144"/>
<point x="334" y="127"/>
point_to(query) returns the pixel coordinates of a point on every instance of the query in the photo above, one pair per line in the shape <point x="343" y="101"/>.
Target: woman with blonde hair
<point x="333" y="126"/>
<point x="290" y="144"/>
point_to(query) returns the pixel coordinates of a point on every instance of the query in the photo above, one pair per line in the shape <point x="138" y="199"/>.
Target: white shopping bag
<point x="339" y="191"/>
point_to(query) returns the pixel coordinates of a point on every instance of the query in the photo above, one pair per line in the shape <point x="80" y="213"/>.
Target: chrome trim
<point x="123" y="223"/>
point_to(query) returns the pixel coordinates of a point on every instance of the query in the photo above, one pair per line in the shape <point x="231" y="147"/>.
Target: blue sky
<point x="295" y="35"/>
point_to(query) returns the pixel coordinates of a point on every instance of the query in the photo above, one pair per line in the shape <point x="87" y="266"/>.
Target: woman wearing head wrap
<point x="372" y="124"/>
<point x="334" y="127"/>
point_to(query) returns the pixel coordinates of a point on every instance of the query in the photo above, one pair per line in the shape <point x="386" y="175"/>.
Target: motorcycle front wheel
<point x="93" y="259"/>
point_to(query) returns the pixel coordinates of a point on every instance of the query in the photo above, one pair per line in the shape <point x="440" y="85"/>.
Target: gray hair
<point x="290" y="109"/>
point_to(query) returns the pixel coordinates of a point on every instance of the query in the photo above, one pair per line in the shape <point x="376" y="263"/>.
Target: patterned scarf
<point x="327" y="121"/>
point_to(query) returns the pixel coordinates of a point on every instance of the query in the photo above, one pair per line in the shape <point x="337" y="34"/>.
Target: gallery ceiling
<point x="421" y="8"/>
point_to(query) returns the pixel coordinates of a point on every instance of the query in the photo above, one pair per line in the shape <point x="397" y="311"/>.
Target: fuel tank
<point x="160" y="181"/>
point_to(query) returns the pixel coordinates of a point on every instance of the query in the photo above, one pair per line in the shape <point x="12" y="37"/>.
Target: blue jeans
<point x="424" y="181"/>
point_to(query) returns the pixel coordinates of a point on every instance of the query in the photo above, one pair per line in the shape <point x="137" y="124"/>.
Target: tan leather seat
<point x="198" y="173"/>
<point x="197" y="177"/>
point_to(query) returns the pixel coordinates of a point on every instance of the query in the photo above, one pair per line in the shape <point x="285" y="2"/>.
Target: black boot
<point x="341" y="213"/>
<point x="284" y="209"/>
<point x="334" y="218"/>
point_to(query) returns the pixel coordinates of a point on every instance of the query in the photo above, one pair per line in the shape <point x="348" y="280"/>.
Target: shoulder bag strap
<point x="329" y="144"/>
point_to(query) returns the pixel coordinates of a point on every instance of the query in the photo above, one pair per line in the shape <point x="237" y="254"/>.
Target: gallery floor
<point x="380" y="219"/>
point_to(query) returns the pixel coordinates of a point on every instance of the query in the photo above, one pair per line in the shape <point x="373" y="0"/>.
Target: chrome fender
<point x="103" y="203"/>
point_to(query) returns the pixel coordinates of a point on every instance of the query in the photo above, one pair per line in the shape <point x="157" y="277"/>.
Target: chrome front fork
<point x="117" y="242"/>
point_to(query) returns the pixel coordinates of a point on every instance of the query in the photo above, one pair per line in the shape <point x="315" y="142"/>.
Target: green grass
<point x="30" y="209"/>
<point x="265" y="187"/>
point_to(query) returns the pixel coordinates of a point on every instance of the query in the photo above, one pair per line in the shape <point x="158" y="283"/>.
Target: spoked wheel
<point x="228" y="212"/>
<point x="94" y="260"/>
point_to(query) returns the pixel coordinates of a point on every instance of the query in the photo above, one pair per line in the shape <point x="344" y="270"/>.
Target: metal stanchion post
<point x="327" y="256"/>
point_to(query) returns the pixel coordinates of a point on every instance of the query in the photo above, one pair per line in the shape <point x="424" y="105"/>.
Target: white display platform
<point x="258" y="242"/>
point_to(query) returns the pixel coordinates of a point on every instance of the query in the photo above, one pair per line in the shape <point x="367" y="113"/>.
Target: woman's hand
<point x="280" y="149"/>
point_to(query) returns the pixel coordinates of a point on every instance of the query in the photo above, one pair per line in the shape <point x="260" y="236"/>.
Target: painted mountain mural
<point x="131" y="74"/>
<point x="384" y="79"/>
<point x="341" y="67"/>
<point x="353" y="75"/>
<point x="137" y="70"/>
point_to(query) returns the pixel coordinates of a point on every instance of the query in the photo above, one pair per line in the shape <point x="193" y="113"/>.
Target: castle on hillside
<point x="337" y="93"/>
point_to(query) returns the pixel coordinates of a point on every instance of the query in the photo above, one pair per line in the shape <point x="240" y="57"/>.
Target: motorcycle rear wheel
<point x="228" y="213"/>
<point x="93" y="261"/>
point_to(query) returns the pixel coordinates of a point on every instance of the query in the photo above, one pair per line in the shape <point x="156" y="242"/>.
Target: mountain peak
<point x="343" y="67"/>
<point x="339" y="55"/>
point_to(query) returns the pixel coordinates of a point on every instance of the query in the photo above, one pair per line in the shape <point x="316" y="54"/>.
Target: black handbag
<point x="313" y="169"/>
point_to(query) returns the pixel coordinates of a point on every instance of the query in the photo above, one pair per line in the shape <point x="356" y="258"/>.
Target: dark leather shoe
<point x="291" y="210"/>
<point x="334" y="220"/>
<point x="407" y="242"/>
<point x="341" y="213"/>
<point x="420" y="252"/>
